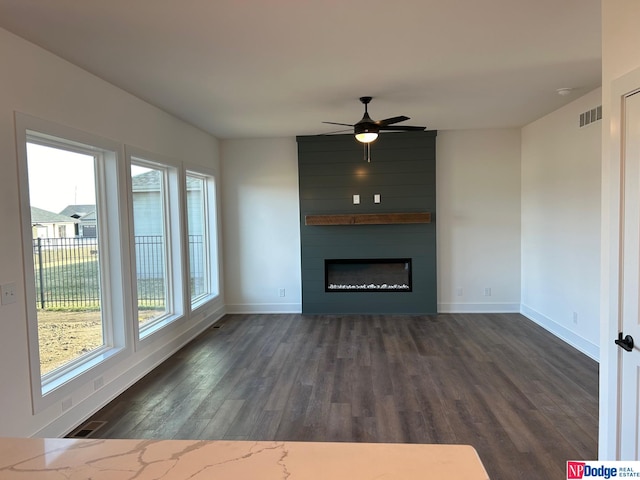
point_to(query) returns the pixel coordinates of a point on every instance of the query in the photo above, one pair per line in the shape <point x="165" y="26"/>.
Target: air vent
<point x="87" y="429"/>
<point x="591" y="116"/>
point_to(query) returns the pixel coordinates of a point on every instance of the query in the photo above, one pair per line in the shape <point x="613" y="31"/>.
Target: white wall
<point x="478" y="229"/>
<point x="40" y="84"/>
<point x="561" y="224"/>
<point x="261" y="225"/>
<point x="478" y="220"/>
<point x="620" y="55"/>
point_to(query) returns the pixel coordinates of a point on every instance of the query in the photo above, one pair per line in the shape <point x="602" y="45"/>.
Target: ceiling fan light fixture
<point x="366" y="137"/>
<point x="366" y="130"/>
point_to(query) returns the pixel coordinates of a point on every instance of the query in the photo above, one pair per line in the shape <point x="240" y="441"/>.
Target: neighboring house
<point x="147" y="204"/>
<point x="148" y="222"/>
<point x="45" y="224"/>
<point x="86" y="215"/>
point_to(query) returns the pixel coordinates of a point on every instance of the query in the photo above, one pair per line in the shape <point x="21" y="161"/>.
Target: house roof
<point x="89" y="217"/>
<point x="79" y="210"/>
<point x="150" y="181"/>
<point x="146" y="181"/>
<point x="255" y="68"/>
<point x="38" y="215"/>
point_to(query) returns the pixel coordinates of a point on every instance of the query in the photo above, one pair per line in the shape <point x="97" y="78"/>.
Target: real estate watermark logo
<point x="575" y="470"/>
<point x="606" y="470"/>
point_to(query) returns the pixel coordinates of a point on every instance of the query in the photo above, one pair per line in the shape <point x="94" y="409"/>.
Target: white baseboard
<point x="479" y="308"/>
<point x="265" y="308"/>
<point x="590" y="349"/>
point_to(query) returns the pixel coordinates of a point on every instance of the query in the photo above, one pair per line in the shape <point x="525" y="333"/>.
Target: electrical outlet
<point x="281" y="292"/>
<point x="487" y="292"/>
<point x="356" y="199"/>
<point x="459" y="292"/>
<point x="8" y="293"/>
<point x="575" y="317"/>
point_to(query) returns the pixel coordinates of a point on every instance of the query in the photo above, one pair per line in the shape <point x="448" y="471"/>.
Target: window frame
<point x="175" y="288"/>
<point x="59" y="384"/>
<point x="211" y="248"/>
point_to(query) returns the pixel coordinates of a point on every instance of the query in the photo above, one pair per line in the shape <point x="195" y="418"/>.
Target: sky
<point x="58" y="178"/>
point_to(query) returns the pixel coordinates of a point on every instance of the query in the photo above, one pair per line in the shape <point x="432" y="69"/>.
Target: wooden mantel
<point x="368" y="218"/>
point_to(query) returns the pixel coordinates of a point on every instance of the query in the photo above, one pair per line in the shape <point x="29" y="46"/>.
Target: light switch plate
<point x="376" y="198"/>
<point x="8" y="293"/>
<point x="356" y="199"/>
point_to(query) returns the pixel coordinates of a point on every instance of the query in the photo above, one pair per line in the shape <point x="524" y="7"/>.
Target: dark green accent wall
<point x="331" y="170"/>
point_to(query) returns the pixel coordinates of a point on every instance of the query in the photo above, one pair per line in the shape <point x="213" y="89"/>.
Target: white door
<point x="629" y="361"/>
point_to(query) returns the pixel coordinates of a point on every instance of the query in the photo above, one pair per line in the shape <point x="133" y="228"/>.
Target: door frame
<point x="610" y="291"/>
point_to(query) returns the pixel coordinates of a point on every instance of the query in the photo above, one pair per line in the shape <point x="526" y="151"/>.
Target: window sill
<point x="56" y="381"/>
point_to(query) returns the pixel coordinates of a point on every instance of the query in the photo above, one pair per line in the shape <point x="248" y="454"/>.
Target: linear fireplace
<point x="368" y="275"/>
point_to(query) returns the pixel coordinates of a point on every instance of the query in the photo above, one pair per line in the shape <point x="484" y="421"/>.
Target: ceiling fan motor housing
<point x="366" y="125"/>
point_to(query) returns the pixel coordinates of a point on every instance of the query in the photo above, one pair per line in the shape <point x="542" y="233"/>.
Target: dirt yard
<point x="64" y="336"/>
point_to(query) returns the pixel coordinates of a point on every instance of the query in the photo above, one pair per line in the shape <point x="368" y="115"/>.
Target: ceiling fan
<point x="367" y="129"/>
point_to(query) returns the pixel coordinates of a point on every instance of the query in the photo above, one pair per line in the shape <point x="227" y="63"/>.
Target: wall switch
<point x="487" y="292"/>
<point x="356" y="199"/>
<point x="281" y="292"/>
<point x="575" y="317"/>
<point x="376" y="198"/>
<point x="8" y="293"/>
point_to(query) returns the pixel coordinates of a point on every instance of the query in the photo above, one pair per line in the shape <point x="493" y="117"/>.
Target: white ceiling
<point x="252" y="68"/>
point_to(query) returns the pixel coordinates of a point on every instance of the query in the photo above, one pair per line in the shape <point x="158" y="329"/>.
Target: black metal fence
<point x="197" y="265"/>
<point x="67" y="273"/>
<point x="150" y="269"/>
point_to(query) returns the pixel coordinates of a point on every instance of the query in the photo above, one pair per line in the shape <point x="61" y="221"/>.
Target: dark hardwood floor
<point x="524" y="399"/>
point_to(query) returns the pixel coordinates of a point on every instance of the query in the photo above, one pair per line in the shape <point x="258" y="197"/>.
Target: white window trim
<point x="176" y="294"/>
<point x="53" y="388"/>
<point x="213" y="246"/>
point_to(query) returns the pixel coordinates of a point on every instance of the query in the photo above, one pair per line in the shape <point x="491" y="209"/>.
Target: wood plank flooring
<point x="524" y="399"/>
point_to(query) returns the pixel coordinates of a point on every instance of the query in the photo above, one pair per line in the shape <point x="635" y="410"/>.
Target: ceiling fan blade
<point x="343" y="124"/>
<point x="405" y="128"/>
<point x="389" y="121"/>
<point x="337" y="131"/>
<point x="367" y="124"/>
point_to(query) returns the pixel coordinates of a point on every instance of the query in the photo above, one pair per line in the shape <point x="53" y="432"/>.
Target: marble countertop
<point x="72" y="459"/>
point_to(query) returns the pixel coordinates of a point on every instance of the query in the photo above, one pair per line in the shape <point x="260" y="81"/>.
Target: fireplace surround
<point x="394" y="221"/>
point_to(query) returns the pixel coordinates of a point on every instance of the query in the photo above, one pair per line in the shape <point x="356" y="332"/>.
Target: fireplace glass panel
<point x="368" y="275"/>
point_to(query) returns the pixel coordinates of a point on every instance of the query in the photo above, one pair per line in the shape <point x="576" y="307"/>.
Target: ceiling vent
<point x="591" y="116"/>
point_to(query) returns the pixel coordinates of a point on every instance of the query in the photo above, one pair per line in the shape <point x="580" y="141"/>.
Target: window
<point x="117" y="244"/>
<point x="67" y="268"/>
<point x="74" y="288"/>
<point x="156" y="232"/>
<point x="201" y="226"/>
